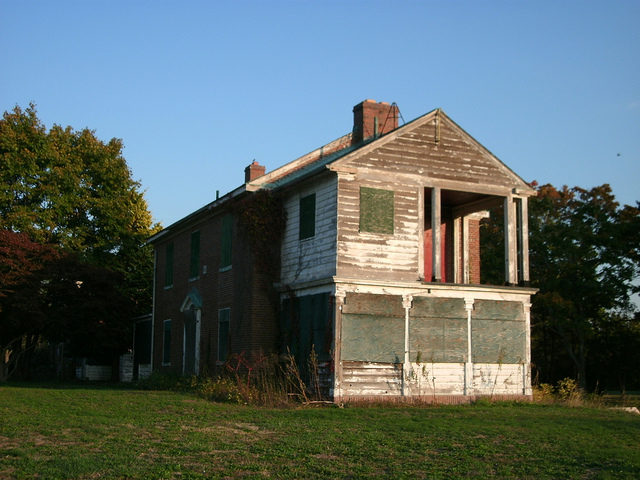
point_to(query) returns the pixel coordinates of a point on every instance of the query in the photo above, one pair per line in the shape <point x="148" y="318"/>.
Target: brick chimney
<point x="372" y="119"/>
<point x="253" y="171"/>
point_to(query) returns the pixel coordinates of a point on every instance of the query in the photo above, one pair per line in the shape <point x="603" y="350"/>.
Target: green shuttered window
<point x="376" y="210"/>
<point x="308" y="216"/>
<point x="166" y="342"/>
<point x="168" y="265"/>
<point x="226" y="241"/>
<point x="224" y="316"/>
<point x="194" y="264"/>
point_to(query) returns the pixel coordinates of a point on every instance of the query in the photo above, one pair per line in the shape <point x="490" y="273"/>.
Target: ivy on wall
<point x="263" y="219"/>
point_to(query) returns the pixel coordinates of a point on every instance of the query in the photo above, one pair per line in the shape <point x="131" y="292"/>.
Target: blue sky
<point x="197" y="90"/>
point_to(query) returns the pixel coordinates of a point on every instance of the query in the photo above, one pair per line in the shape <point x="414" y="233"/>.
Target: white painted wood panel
<point x="496" y="379"/>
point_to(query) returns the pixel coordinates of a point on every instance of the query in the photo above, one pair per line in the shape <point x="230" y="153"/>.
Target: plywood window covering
<point x="168" y="265"/>
<point x="194" y="264"/>
<point x="376" y="210"/>
<point x="308" y="216"/>
<point x="166" y="342"/>
<point x="226" y="241"/>
<point x="224" y="316"/>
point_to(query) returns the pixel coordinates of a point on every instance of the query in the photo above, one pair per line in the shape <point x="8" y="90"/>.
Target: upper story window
<point x="168" y="265"/>
<point x="226" y="238"/>
<point x="194" y="263"/>
<point x="376" y="210"/>
<point x="166" y="342"/>
<point x="307" y="216"/>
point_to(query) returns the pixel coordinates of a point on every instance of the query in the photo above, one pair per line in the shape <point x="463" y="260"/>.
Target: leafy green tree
<point x="69" y="189"/>
<point x="585" y="258"/>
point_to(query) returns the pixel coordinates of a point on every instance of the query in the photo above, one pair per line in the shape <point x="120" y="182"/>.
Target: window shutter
<point x="226" y="237"/>
<point x="194" y="265"/>
<point x="168" y="265"/>
<point x="308" y="216"/>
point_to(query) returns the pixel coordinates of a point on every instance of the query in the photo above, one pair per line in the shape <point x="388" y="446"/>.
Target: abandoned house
<point x="365" y="251"/>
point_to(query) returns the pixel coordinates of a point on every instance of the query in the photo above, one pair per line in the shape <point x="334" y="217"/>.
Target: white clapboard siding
<point x="368" y="379"/>
<point x="313" y="258"/>
<point x="436" y="379"/>
<point x="496" y="379"/>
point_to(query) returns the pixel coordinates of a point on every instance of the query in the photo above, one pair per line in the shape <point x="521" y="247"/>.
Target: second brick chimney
<point x="253" y="171"/>
<point x="372" y="119"/>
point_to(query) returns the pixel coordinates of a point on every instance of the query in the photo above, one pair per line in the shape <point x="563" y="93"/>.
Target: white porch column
<point x="523" y="241"/>
<point x="406" y="366"/>
<point x="340" y="297"/>
<point x="510" y="267"/>
<point x="468" y="365"/>
<point x="457" y="254"/>
<point x="436" y="247"/>
<point x="526" y="377"/>
<point x="466" y="275"/>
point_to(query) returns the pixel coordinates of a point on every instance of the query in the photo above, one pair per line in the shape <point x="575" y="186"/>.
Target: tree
<point x="24" y="274"/>
<point x="69" y="189"/>
<point x="585" y="257"/>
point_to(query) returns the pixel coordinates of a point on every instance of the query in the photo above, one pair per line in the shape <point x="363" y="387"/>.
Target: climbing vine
<point x="263" y="218"/>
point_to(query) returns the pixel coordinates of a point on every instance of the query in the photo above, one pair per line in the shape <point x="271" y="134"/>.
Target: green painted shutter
<point x="226" y="241"/>
<point x="168" y="265"/>
<point x="194" y="265"/>
<point x="224" y="317"/>
<point x="166" y="342"/>
<point x="308" y="216"/>
<point x="376" y="210"/>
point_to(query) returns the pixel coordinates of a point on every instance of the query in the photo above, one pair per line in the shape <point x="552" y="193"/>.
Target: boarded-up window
<point x="438" y="330"/>
<point x="376" y="210"/>
<point x="168" y="265"/>
<point x="226" y="241"/>
<point x="373" y="328"/>
<point x="166" y="342"/>
<point x="224" y="316"/>
<point x="308" y="216"/>
<point x="194" y="264"/>
<point x="498" y="332"/>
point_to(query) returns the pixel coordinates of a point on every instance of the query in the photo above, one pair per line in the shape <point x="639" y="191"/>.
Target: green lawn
<point x="85" y="432"/>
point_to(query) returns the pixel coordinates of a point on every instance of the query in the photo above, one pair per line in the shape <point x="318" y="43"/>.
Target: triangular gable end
<point x="435" y="147"/>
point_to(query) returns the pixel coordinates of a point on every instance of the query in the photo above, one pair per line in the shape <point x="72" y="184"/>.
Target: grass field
<point x="85" y="432"/>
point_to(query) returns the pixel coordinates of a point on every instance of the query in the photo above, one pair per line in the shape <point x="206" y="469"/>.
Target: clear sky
<point x="198" y="89"/>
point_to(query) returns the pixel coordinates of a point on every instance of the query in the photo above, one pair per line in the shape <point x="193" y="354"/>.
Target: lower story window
<point x="224" y="316"/>
<point x="166" y="342"/>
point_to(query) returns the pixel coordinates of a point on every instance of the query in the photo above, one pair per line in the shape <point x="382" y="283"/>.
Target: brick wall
<point x="253" y="321"/>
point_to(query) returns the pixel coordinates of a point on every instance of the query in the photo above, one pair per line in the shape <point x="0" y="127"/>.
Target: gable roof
<point x="478" y="164"/>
